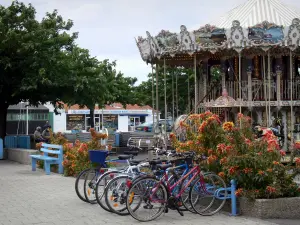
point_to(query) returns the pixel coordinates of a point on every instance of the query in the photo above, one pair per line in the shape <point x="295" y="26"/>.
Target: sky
<point x="108" y="27"/>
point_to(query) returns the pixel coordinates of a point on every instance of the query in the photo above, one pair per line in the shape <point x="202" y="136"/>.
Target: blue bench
<point x="48" y="160"/>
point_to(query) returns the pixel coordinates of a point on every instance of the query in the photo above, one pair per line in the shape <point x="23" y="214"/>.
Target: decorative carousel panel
<point x="266" y="34"/>
<point x="154" y="48"/>
<point x="168" y="42"/>
<point x="293" y="36"/>
<point x="210" y="37"/>
<point x="186" y="43"/>
<point x="237" y="35"/>
<point x="144" y="48"/>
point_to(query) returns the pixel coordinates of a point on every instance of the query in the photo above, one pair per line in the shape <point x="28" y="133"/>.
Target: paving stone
<point x="29" y="198"/>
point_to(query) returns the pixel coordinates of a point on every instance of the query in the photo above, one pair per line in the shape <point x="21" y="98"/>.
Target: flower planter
<point x="281" y="208"/>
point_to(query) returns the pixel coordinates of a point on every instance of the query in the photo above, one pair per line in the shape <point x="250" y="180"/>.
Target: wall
<point x="123" y="123"/>
<point x="60" y="122"/>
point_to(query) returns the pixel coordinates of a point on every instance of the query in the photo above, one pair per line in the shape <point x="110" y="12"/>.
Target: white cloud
<point x="130" y="66"/>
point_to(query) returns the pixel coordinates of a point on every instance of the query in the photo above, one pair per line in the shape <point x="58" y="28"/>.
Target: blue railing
<point x="17" y="142"/>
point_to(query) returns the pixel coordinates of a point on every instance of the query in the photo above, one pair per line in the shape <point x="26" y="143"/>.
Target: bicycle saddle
<point x="155" y="162"/>
<point x="131" y="153"/>
<point x="164" y="166"/>
<point x="135" y="162"/>
<point x="124" y="157"/>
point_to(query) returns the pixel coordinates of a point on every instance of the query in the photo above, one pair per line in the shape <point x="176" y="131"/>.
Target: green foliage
<point x="185" y="78"/>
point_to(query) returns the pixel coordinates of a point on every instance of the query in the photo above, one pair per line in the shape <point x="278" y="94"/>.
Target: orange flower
<point x="275" y="163"/>
<point x="232" y="170"/>
<point x="271" y="189"/>
<point x="282" y="153"/>
<point x="202" y="126"/>
<point x="228" y="149"/>
<point x="239" y="192"/>
<point x="211" y="159"/>
<point x="221" y="174"/>
<point x="228" y="126"/>
<point x="297" y="161"/>
<point x="259" y="153"/>
<point x="210" y="152"/>
<point x="240" y="115"/>
<point x="247" y="170"/>
<point x="172" y="136"/>
<point x="270" y="170"/>
<point x="261" y="172"/>
<point x="223" y="160"/>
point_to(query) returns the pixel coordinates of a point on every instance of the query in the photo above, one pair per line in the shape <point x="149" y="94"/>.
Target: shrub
<point x="234" y="152"/>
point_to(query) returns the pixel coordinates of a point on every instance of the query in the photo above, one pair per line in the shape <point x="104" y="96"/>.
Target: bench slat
<point x="50" y="151"/>
<point x="46" y="158"/>
<point x="51" y="146"/>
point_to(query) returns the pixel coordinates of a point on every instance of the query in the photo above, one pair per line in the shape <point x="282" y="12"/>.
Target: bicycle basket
<point x="98" y="156"/>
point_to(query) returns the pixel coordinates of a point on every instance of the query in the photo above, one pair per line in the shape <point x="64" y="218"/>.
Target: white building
<point x="113" y="117"/>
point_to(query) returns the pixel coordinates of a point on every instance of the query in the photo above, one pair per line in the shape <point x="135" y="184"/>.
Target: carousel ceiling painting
<point x="255" y="24"/>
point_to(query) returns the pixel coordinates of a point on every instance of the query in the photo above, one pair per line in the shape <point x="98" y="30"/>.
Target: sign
<point x="75" y="122"/>
<point x="115" y="112"/>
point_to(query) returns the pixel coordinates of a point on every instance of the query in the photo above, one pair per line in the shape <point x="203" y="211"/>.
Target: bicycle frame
<point x="196" y="170"/>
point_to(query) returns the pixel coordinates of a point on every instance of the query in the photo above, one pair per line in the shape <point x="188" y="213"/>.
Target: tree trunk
<point x="3" y="115"/>
<point x="92" y="117"/>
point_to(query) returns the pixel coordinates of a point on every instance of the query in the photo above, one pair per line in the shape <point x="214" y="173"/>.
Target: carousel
<point x="255" y="51"/>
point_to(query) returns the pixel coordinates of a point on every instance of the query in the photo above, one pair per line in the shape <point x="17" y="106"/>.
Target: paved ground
<point x="28" y="197"/>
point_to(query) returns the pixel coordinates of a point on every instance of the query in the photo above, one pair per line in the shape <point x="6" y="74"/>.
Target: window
<point x="31" y="116"/>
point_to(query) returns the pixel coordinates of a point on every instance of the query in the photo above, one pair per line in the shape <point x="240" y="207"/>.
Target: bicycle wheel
<point x="204" y="197"/>
<point x="79" y="184"/>
<point x="90" y="185"/>
<point x="139" y="204"/>
<point x="116" y="193"/>
<point x="185" y="195"/>
<point x="100" y="188"/>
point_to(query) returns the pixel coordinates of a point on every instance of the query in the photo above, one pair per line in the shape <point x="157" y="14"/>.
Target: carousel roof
<point x="253" y="12"/>
<point x="259" y="25"/>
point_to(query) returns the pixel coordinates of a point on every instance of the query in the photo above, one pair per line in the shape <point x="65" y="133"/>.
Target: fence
<point x="17" y="142"/>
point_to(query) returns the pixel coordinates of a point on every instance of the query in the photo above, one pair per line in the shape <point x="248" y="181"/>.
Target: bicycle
<point x="151" y="190"/>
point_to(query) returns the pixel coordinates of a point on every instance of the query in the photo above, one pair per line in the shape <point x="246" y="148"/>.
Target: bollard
<point x="1" y="148"/>
<point x="233" y="198"/>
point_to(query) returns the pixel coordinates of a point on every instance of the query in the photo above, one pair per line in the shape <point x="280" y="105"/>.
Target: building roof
<point x="254" y="12"/>
<point x="22" y="106"/>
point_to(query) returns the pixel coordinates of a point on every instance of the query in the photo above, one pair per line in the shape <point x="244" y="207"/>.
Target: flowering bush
<point x="234" y="152"/>
<point x="76" y="156"/>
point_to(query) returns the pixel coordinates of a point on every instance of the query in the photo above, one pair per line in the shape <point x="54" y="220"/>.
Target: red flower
<point x="297" y="161"/>
<point x="247" y="170"/>
<point x="271" y="189"/>
<point x="232" y="170"/>
<point x="282" y="153"/>
<point x="261" y="172"/>
<point x="239" y="192"/>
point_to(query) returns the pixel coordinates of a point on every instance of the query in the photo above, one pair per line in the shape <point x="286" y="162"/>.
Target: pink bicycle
<point x="203" y="193"/>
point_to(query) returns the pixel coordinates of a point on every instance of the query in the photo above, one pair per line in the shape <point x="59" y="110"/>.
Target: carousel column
<point x="166" y="107"/>
<point x="157" y="106"/>
<point x="240" y="80"/>
<point x="292" y="110"/>
<point x="278" y="81"/>
<point x="223" y="72"/>
<point x="249" y="74"/>
<point x="205" y="75"/>
<point x="196" y="84"/>
<point x="284" y="122"/>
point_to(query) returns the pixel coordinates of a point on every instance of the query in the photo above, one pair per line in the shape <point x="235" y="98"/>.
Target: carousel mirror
<point x="215" y="72"/>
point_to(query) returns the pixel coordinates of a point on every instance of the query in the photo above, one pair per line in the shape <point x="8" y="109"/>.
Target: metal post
<point x="176" y="93"/>
<point x="166" y="107"/>
<point x="27" y="123"/>
<point x="269" y="78"/>
<point x="265" y="88"/>
<point x="189" y="100"/>
<point x="292" y="111"/>
<point x="233" y="198"/>
<point x="153" y="101"/>
<point x="196" y="86"/>
<point x="240" y="81"/>
<point x="157" y="107"/>
<point x="173" y="97"/>
<point x="102" y="120"/>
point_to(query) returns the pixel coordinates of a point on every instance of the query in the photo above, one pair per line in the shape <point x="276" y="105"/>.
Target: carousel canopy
<point x="260" y="24"/>
<point x="254" y="12"/>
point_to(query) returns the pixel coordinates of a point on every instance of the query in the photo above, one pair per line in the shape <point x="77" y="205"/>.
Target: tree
<point x="33" y="57"/>
<point x="95" y="82"/>
<point x="185" y="81"/>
